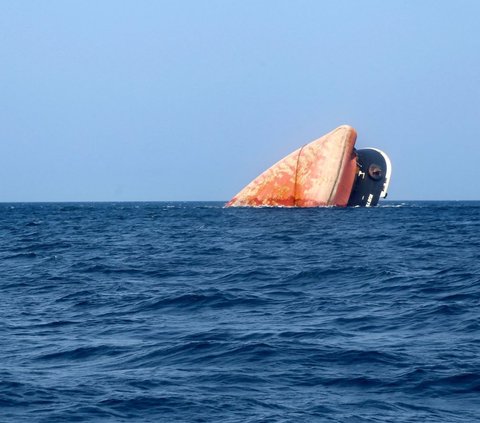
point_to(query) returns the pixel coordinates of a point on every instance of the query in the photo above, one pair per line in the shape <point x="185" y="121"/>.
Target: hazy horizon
<point x="382" y="201"/>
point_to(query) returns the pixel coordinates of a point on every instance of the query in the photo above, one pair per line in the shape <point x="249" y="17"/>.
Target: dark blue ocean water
<point x="189" y="312"/>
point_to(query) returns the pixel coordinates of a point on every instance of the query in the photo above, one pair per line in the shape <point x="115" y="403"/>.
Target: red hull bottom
<point x="320" y="173"/>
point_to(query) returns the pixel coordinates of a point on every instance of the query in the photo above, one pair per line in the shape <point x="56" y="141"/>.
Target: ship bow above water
<point x="328" y="171"/>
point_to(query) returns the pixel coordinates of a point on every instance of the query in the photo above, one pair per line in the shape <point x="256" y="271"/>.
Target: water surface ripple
<point x="189" y="312"/>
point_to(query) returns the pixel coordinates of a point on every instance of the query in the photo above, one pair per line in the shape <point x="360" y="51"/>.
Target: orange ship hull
<point x="320" y="173"/>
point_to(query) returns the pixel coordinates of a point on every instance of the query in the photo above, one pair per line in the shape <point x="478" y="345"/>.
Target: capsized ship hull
<point x="324" y="172"/>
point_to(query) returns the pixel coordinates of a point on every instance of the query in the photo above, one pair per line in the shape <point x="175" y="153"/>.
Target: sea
<point x="192" y="312"/>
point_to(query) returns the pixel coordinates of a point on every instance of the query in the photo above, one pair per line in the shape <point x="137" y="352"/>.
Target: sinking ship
<point x="329" y="171"/>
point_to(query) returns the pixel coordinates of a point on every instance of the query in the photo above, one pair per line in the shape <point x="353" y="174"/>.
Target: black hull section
<point x="372" y="179"/>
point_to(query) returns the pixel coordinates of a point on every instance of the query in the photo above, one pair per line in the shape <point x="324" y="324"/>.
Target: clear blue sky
<point x="190" y="100"/>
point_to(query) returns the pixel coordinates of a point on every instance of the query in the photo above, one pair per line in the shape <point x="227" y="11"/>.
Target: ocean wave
<point x="192" y="312"/>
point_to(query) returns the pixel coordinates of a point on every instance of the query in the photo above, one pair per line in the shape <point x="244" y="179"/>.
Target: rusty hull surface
<point x="320" y="173"/>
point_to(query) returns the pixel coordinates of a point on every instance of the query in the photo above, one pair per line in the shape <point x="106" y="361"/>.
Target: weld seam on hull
<point x="339" y="171"/>
<point x="296" y="178"/>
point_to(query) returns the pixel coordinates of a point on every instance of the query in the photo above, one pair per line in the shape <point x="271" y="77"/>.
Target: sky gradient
<point x="190" y="100"/>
